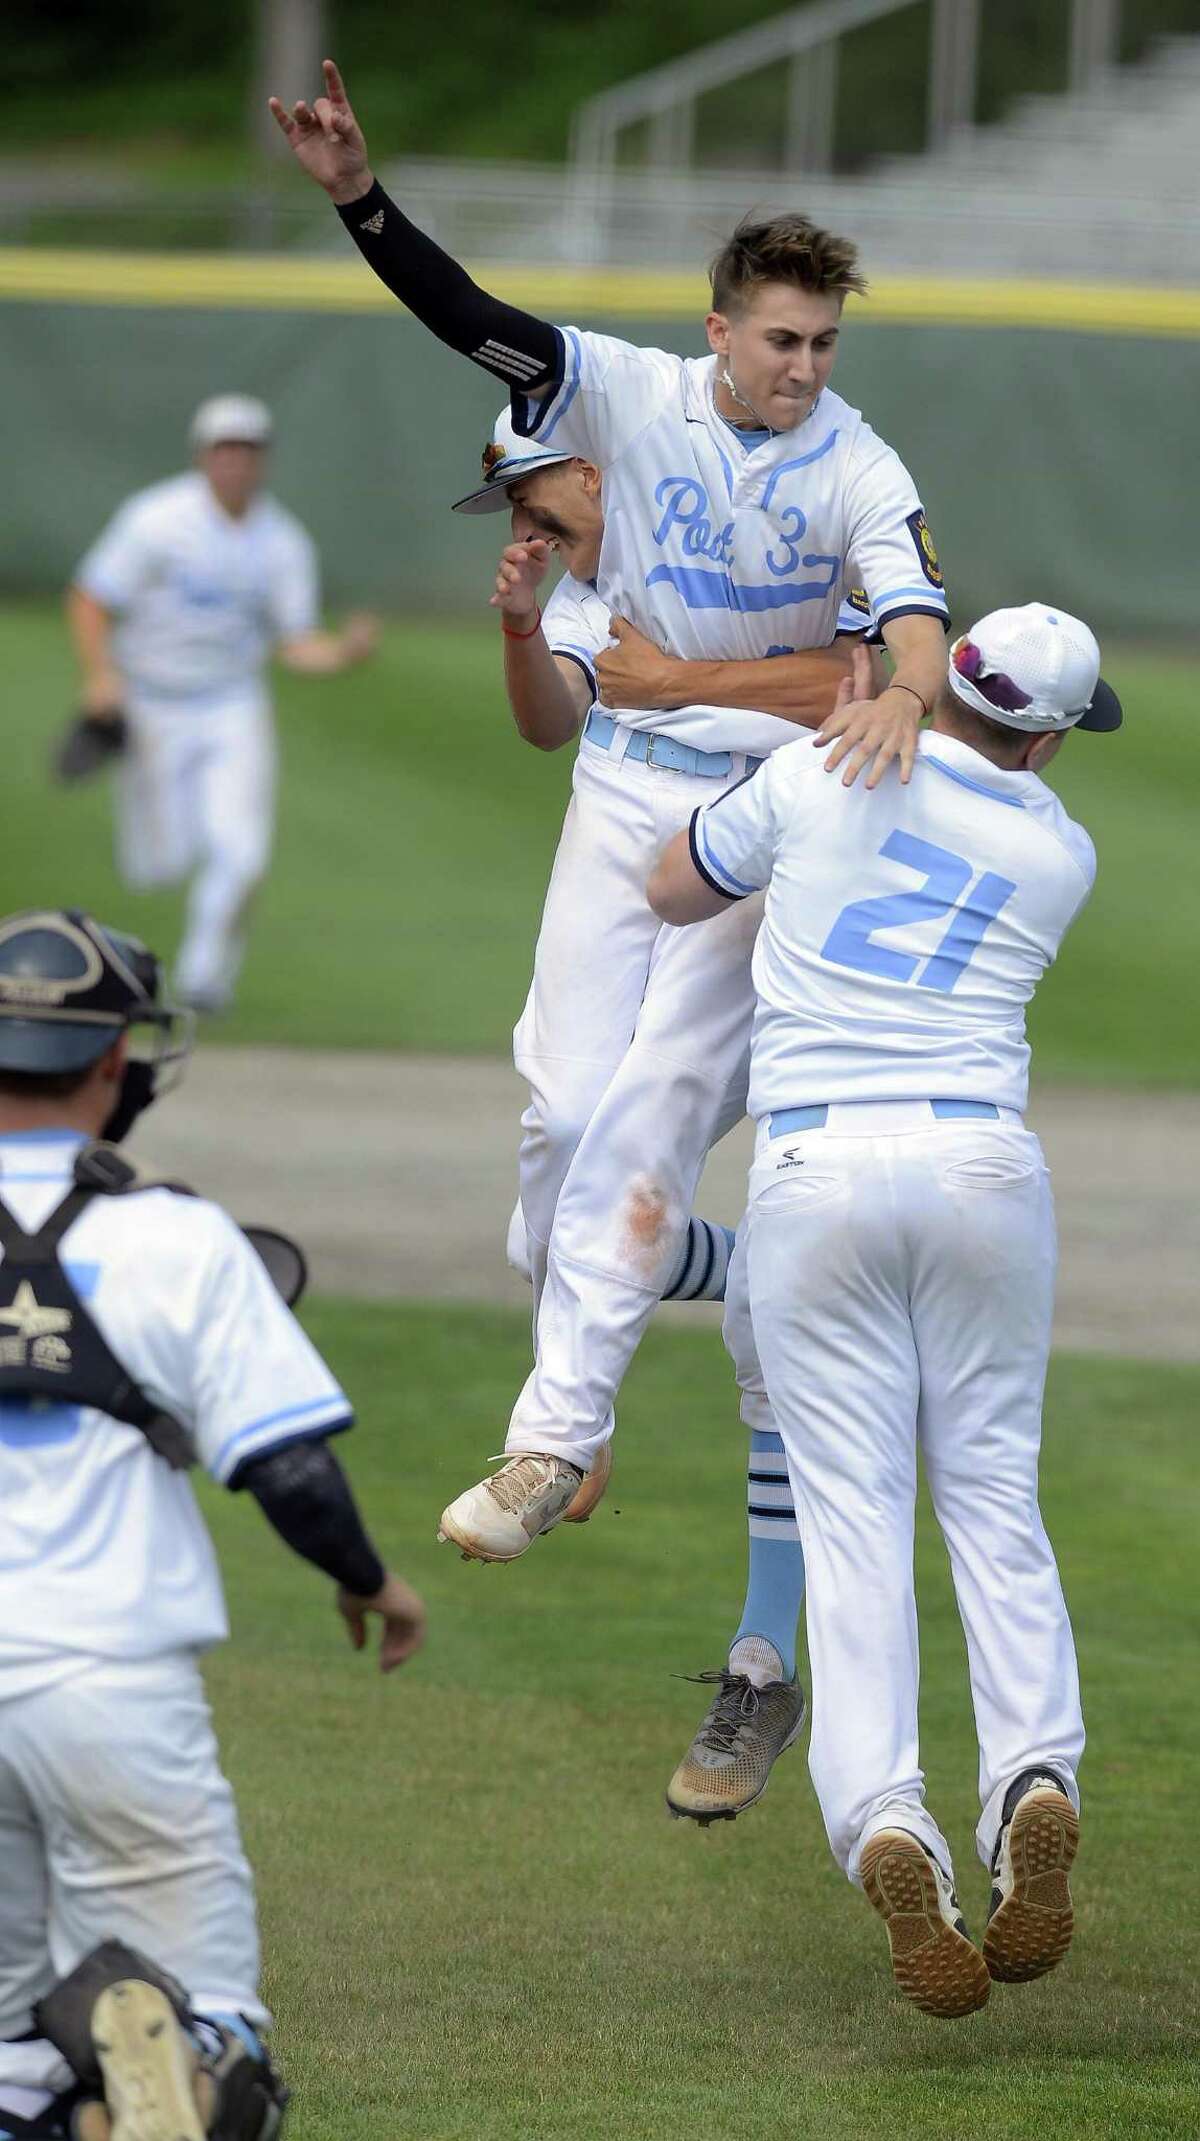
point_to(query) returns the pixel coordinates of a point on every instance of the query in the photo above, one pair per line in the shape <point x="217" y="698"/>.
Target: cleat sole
<point x="147" y="2065"/>
<point x="935" y="1967"/>
<point x="1031" y="1930"/>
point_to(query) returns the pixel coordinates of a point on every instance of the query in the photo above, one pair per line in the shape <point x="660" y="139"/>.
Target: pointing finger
<point x="334" y="83"/>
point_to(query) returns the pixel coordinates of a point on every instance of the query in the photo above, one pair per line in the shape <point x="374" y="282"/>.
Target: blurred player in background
<point x="174" y="613"/>
<point x="139" y="1333"/>
<point x="900" y="1248"/>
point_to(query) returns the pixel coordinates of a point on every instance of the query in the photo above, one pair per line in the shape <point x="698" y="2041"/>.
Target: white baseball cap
<point x="1033" y="668"/>
<point x="231" y="419"/>
<point x="506" y="458"/>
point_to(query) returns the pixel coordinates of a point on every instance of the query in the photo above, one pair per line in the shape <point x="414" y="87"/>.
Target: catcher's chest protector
<point x="51" y="1352"/>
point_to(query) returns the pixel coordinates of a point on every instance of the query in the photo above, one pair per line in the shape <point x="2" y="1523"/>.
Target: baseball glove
<point x="90" y="743"/>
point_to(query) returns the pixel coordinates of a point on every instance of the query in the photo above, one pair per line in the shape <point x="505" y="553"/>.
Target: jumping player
<point x="139" y="1333"/>
<point x="900" y="1251"/>
<point x="173" y="613"/>
<point x="551" y="665"/>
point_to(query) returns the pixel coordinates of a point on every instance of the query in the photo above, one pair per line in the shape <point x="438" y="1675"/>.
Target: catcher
<point x="139" y="1333"/>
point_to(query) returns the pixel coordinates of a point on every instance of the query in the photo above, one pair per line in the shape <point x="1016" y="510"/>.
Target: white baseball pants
<point x="901" y="1275"/>
<point x="634" y="1044"/>
<point x="196" y="794"/>
<point x="116" y="1823"/>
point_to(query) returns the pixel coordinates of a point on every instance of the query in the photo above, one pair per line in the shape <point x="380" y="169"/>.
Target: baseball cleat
<point x="594" y="1484"/>
<point x="502" y="1516"/>
<point x="148" y="2065"/>
<point x="933" y="1962"/>
<point x="743" y="1732"/>
<point x="1031" y="1919"/>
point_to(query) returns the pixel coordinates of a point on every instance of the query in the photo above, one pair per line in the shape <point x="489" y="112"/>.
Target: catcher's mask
<point x="69" y="988"/>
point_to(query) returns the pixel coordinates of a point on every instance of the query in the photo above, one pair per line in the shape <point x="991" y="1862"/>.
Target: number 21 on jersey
<point x="950" y="887"/>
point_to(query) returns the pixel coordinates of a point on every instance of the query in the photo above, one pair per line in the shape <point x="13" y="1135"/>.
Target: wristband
<point x="912" y="694"/>
<point x="534" y="628"/>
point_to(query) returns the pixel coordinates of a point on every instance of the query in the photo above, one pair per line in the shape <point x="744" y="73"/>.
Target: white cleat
<point x="147" y="2063"/>
<point x="502" y="1516"/>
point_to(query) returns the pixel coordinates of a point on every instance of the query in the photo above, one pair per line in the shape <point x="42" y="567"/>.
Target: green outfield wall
<point x="1047" y="427"/>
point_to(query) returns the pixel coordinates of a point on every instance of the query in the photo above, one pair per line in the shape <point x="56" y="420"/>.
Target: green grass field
<point x="417" y="834"/>
<point x="479" y="1920"/>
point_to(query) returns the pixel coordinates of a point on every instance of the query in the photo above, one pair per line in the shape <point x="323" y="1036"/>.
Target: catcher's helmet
<point x="68" y="989"/>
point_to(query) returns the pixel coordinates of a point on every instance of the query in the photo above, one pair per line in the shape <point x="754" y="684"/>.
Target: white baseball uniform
<point x="583" y="1007"/>
<point x="115" y="1819"/>
<point x="900" y="1246"/>
<point x="717" y="545"/>
<point x="201" y="600"/>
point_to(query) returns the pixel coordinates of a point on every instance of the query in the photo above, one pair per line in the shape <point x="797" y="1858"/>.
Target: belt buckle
<point x="652" y="737"/>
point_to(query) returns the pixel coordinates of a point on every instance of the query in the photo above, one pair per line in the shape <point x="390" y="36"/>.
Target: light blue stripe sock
<point x="703" y="1265"/>
<point x="775" y="1584"/>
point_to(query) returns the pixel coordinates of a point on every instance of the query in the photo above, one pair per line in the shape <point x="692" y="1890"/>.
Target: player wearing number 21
<point x="900" y="1256"/>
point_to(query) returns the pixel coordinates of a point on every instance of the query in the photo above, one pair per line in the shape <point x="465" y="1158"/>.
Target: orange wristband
<point x="536" y="626"/>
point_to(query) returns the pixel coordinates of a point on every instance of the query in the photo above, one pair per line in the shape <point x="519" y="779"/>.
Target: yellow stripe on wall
<point x="222" y="281"/>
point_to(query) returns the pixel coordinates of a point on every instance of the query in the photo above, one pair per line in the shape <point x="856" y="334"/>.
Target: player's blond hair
<point x="788" y="249"/>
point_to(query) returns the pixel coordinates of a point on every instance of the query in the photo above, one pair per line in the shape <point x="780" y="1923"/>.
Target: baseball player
<point x="742" y="500"/>
<point x="174" y="612"/>
<point x="900" y="1251"/>
<point x="139" y="1333"/>
<point x="552" y="665"/>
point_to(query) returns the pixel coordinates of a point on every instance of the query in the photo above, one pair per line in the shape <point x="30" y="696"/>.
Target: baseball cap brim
<point x="45" y="1045"/>
<point x="1105" y="711"/>
<point x="493" y="497"/>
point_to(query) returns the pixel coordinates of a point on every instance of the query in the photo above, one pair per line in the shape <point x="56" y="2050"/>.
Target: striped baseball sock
<point x="775" y="1587"/>
<point x="703" y="1263"/>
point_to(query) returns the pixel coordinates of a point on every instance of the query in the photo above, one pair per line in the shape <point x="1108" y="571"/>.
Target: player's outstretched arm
<point x="549" y="698"/>
<point x="870" y="732"/>
<point x="305" y="1496"/>
<point x="802" y="687"/>
<point x="327" y="142"/>
<point x="328" y="653"/>
<point x="402" y="1612"/>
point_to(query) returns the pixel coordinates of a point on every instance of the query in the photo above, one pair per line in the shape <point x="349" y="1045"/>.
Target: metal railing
<point x="806" y="42"/>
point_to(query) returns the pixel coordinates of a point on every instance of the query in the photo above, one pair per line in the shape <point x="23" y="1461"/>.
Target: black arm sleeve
<point x="304" y="1493"/>
<point x="524" y="352"/>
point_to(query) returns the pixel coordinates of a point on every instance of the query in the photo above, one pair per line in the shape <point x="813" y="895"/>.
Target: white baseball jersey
<point x="201" y="597"/>
<point x="103" y="1551"/>
<point x="906" y="928"/>
<point x="575" y="624"/>
<point x="722" y="546"/>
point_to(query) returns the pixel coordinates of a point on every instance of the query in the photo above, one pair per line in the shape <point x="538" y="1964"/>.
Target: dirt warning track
<point x="398" y="1174"/>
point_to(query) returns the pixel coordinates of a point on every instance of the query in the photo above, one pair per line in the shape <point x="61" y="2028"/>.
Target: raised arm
<point x="328" y="143"/>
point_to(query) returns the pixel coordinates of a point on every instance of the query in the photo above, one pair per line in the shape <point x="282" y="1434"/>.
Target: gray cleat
<point x="744" y="1731"/>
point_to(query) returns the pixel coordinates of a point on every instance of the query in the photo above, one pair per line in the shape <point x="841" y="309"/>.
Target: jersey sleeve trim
<point x="708" y="865"/>
<point x="538" y="419"/>
<point x="325" y="1415"/>
<point x="911" y="602"/>
<point x="581" y="660"/>
<point x="318" y="1433"/>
